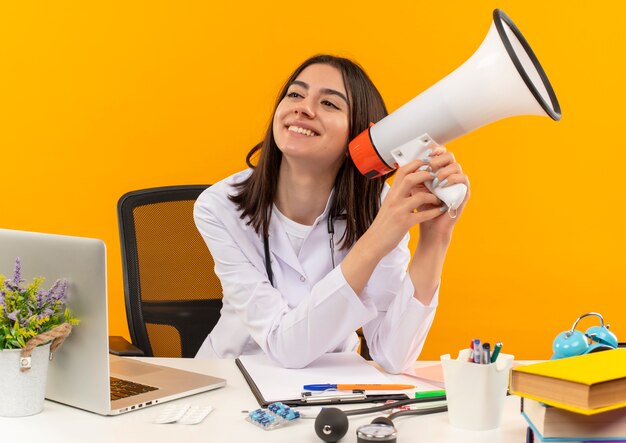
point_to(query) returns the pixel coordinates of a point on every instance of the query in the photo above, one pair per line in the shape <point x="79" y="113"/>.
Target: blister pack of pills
<point x="275" y="416"/>
<point x="171" y="413"/>
<point x="183" y="414"/>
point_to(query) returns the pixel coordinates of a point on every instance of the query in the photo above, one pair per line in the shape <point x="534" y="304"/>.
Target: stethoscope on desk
<point x="331" y="424"/>
<point x="330" y="226"/>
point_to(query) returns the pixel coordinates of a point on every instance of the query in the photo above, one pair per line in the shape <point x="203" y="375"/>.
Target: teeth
<point x="300" y="130"/>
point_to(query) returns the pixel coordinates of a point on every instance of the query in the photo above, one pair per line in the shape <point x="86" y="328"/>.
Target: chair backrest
<point x="173" y="297"/>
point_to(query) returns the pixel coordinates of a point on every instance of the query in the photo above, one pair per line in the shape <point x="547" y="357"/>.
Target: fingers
<point x="420" y="200"/>
<point x="409" y="168"/>
<point x="451" y="180"/>
<point x="448" y="175"/>
<point x="423" y="216"/>
<point x="441" y="160"/>
<point x="412" y="176"/>
<point x="438" y="151"/>
<point x="446" y="170"/>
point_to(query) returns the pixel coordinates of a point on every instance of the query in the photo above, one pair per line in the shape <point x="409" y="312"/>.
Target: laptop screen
<point x="79" y="372"/>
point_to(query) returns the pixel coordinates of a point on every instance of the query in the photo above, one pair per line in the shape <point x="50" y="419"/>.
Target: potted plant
<point x="33" y="323"/>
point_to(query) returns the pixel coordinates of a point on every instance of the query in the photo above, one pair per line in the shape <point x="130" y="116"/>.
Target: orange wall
<point x="100" y="98"/>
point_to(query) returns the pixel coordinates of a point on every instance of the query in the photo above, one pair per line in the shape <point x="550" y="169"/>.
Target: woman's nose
<point x="305" y="107"/>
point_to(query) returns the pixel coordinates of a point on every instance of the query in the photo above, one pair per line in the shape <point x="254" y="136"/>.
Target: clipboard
<point x="271" y="383"/>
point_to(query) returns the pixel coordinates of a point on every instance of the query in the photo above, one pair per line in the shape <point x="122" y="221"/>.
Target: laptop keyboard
<point x="124" y="388"/>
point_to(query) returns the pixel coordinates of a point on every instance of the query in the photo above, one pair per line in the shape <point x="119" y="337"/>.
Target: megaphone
<point x="501" y="79"/>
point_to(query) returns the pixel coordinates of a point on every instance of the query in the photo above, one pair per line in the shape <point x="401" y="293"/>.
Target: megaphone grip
<point x="419" y="148"/>
<point x="452" y="195"/>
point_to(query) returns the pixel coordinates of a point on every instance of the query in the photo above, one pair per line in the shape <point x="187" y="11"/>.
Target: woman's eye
<point x="294" y="95"/>
<point x="330" y="104"/>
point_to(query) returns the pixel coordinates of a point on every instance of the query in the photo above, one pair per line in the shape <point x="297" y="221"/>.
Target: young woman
<point x="308" y="250"/>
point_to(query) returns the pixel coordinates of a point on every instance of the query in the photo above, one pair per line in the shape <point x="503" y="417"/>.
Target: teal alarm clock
<point x="574" y="342"/>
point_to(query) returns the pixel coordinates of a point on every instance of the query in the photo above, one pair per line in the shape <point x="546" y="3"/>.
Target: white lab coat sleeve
<point x="291" y="336"/>
<point x="396" y="336"/>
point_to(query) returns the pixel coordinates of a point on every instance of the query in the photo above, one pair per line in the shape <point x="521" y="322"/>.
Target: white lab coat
<point x="311" y="310"/>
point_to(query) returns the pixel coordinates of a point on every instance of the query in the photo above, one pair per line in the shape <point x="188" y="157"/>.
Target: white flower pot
<point x="22" y="393"/>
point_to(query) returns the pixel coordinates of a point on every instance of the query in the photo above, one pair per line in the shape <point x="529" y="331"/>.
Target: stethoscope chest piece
<point x="374" y="432"/>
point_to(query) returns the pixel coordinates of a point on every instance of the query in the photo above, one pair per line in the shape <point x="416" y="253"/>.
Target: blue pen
<point x="477" y="351"/>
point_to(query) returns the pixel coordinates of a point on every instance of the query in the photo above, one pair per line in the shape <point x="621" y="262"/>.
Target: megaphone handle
<point x="452" y="196"/>
<point x="419" y="148"/>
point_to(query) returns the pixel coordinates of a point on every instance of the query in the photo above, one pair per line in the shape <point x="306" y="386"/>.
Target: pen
<point x="486" y="354"/>
<point x="496" y="351"/>
<point x="429" y="394"/>
<point x="331" y="396"/>
<point x="359" y="387"/>
<point x="477" y="353"/>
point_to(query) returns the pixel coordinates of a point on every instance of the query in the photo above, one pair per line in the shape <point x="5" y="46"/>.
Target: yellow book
<point x="586" y="384"/>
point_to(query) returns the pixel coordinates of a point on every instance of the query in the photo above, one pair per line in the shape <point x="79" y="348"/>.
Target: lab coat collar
<point x="279" y="242"/>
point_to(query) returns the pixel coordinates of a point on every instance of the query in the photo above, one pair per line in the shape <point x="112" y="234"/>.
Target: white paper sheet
<point x="276" y="383"/>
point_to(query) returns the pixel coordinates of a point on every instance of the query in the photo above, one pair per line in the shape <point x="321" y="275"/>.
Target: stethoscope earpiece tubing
<point x="266" y="249"/>
<point x="393" y="405"/>
<point x="424" y="411"/>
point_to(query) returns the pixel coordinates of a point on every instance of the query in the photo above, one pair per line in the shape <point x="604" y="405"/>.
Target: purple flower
<point x="13" y="315"/>
<point x="17" y="276"/>
<point x="63" y="290"/>
<point x="11" y="286"/>
<point x="57" y="291"/>
<point x="14" y="284"/>
<point x="45" y="313"/>
<point x="42" y="296"/>
<point x="51" y="295"/>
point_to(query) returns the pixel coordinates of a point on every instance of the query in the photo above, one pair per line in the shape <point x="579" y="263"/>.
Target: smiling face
<point x="311" y="121"/>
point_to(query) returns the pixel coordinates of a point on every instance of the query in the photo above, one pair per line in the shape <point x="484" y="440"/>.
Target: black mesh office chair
<point x="173" y="297"/>
<point x="364" y="350"/>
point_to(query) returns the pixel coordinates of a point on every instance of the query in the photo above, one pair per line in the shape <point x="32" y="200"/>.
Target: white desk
<point x="60" y="423"/>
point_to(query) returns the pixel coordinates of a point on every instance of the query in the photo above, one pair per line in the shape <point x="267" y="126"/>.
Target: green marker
<point x="496" y="351"/>
<point x="429" y="394"/>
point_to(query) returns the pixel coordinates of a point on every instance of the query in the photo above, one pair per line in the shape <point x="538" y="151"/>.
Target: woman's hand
<point x="435" y="233"/>
<point x="407" y="204"/>
<point x="447" y="172"/>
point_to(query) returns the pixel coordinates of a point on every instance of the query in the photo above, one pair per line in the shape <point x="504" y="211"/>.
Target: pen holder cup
<point x="475" y="392"/>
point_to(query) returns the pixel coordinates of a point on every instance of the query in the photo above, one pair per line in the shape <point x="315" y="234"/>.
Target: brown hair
<point x="356" y="197"/>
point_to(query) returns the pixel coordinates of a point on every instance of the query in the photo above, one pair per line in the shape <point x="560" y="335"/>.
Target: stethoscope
<point x="331" y="424"/>
<point x="330" y="226"/>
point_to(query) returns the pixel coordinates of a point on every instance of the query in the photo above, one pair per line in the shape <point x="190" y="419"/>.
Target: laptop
<point x="82" y="371"/>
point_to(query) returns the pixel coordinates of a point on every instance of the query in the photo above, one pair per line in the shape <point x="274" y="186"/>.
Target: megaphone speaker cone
<point x="503" y="78"/>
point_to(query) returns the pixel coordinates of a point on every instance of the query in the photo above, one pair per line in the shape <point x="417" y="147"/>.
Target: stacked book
<point x="577" y="399"/>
